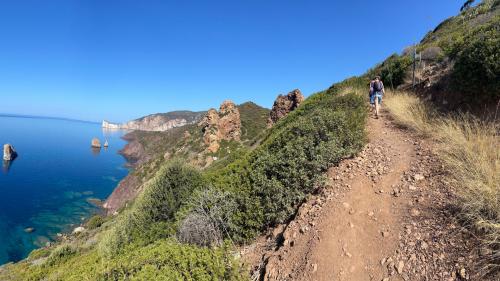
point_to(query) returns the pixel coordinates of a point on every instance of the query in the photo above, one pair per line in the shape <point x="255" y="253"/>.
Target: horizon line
<point x="46" y="117"/>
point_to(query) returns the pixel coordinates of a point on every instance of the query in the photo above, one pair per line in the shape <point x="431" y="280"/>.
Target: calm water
<point x="48" y="186"/>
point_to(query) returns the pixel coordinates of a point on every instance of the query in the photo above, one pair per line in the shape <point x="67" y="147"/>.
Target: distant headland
<point x="45" y="117"/>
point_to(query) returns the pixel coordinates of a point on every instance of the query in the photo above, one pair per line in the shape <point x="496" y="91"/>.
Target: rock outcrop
<point x="222" y="125"/>
<point x="9" y="153"/>
<point x="157" y="122"/>
<point x="230" y="121"/>
<point x="95" y="143"/>
<point x="283" y="105"/>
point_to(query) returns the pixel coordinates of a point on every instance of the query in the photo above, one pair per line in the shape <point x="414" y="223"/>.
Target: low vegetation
<point x="470" y="150"/>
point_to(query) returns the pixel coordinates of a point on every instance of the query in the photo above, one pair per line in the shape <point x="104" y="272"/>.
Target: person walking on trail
<point x="371" y="97"/>
<point x="377" y="91"/>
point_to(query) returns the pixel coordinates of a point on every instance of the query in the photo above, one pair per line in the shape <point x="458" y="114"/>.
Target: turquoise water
<point x="48" y="186"/>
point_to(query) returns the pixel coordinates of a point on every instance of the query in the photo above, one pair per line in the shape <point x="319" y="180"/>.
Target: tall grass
<point x="470" y="150"/>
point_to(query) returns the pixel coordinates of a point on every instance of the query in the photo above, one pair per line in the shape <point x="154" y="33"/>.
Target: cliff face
<point x="222" y="125"/>
<point x="283" y="105"/>
<point x="158" y="122"/>
<point x="126" y="190"/>
<point x="133" y="151"/>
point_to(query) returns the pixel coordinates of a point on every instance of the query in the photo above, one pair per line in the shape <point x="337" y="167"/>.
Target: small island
<point x="9" y="153"/>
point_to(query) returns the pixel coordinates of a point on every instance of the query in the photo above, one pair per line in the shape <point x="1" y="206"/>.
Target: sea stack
<point x="96" y="143"/>
<point x="9" y="153"/>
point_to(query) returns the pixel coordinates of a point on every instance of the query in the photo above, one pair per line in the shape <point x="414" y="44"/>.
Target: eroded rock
<point x="222" y="125"/>
<point x="283" y="105"/>
<point x="9" y="153"/>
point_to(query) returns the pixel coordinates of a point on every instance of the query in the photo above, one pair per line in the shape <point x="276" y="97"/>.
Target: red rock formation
<point x="222" y="125"/>
<point x="230" y="122"/>
<point x="284" y="105"/>
<point x="210" y="127"/>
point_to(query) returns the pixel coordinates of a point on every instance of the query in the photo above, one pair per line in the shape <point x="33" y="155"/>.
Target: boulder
<point x="9" y="153"/>
<point x="78" y="229"/>
<point x="283" y="105"/>
<point x="96" y="143"/>
<point x="29" y="229"/>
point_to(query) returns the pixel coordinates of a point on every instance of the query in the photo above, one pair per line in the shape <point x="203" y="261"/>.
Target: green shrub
<point x="393" y="70"/>
<point x="39" y="253"/>
<point x="95" y="222"/>
<point x="476" y="74"/>
<point x="60" y="254"/>
<point x="170" y="188"/>
<point x="152" y="215"/>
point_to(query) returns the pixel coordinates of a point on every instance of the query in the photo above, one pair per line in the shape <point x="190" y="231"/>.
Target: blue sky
<point x="119" y="59"/>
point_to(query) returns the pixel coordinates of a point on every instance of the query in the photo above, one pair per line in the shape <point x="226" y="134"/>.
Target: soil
<point x="385" y="214"/>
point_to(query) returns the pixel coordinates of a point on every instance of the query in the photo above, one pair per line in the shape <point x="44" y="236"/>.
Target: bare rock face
<point x="229" y="122"/>
<point x="96" y="143"/>
<point x="159" y="122"/>
<point x="283" y="105"/>
<point x="9" y="153"/>
<point x="211" y="133"/>
<point x="222" y="125"/>
<point x="126" y="191"/>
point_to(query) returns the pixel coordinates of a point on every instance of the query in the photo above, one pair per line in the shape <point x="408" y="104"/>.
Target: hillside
<point x="158" y="122"/>
<point x="325" y="193"/>
<point x="457" y="62"/>
<point x="147" y="151"/>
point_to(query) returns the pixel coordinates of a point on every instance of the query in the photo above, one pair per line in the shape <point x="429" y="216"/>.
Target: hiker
<point x="371" y="97"/>
<point x="376" y="92"/>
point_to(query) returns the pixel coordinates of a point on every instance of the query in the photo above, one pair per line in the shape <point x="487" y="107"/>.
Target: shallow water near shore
<point x="52" y="184"/>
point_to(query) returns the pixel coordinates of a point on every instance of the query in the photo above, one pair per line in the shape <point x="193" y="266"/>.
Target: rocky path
<point x="384" y="215"/>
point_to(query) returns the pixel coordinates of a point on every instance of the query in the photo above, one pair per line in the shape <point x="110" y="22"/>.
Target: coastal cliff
<point x="159" y="122"/>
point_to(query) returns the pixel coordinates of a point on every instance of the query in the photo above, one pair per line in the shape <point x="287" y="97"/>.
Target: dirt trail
<point x="361" y="231"/>
<point x="383" y="216"/>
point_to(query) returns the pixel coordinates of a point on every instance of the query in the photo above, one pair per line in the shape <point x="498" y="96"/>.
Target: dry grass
<point x="470" y="149"/>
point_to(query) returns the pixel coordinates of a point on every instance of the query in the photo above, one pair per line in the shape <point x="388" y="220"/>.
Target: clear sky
<point x="119" y="59"/>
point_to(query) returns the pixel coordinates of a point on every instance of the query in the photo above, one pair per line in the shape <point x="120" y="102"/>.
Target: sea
<point x="56" y="181"/>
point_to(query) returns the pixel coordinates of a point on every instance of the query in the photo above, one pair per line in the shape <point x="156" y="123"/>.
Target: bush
<point x="39" y="253"/>
<point x="152" y="215"/>
<point x="60" y="254"/>
<point x="209" y="219"/>
<point x="476" y="74"/>
<point x="393" y="70"/>
<point x="432" y="53"/>
<point x="170" y="188"/>
<point x="95" y="222"/>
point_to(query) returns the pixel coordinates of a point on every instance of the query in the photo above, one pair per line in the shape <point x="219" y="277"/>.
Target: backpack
<point x="377" y="86"/>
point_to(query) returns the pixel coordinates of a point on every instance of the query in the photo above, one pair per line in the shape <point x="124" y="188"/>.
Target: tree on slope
<point x="467" y="5"/>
